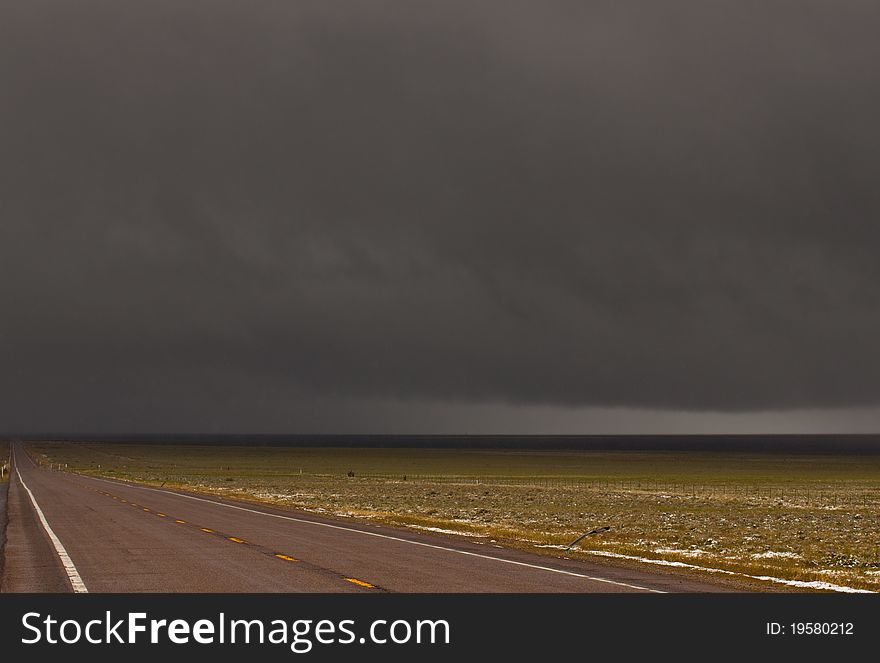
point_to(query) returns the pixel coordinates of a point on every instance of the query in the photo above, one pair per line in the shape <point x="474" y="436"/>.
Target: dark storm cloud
<point x="236" y="206"/>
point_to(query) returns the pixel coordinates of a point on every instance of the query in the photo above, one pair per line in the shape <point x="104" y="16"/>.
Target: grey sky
<point x="437" y="216"/>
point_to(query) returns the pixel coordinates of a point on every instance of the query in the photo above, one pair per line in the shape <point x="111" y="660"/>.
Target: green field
<point x="802" y="518"/>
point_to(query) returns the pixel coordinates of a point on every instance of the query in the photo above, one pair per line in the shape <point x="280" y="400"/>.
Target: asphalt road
<point x="68" y="532"/>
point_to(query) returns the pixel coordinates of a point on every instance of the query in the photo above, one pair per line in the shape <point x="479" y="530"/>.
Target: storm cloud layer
<point x="227" y="209"/>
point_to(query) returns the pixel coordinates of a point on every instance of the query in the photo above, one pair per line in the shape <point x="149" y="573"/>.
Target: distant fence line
<point x="826" y="495"/>
<point x="840" y="494"/>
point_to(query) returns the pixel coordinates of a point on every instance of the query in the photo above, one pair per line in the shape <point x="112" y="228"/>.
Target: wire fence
<point x="821" y="495"/>
<point x="826" y="494"/>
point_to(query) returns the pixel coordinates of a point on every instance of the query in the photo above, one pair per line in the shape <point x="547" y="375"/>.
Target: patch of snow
<point x="806" y="584"/>
<point x="774" y="554"/>
<point x="696" y="552"/>
<point x="440" y="530"/>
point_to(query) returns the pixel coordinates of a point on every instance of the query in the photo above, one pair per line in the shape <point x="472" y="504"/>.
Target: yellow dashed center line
<point x="359" y="582"/>
<point x="234" y="539"/>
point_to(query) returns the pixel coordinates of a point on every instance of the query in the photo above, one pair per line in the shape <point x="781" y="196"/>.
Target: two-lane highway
<point x="70" y="532"/>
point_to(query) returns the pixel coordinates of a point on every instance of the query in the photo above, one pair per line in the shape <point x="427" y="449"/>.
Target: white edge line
<point x="812" y="584"/>
<point x="73" y="575"/>
<point x="381" y="536"/>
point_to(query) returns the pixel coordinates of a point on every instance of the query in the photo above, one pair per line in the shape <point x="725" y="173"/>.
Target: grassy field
<point x="813" y="519"/>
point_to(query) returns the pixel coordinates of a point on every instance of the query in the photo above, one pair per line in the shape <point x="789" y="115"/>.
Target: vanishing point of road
<point x="68" y="532"/>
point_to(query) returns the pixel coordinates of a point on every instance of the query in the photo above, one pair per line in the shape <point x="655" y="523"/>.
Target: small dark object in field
<point x="350" y="473"/>
<point x="229" y="479"/>
<point x="598" y="530"/>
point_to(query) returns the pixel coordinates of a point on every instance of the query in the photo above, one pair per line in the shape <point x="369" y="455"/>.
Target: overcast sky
<point x="447" y="216"/>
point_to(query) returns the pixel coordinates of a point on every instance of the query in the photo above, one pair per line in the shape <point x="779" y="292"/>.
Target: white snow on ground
<point x="807" y="584"/>
<point x="445" y="531"/>
<point x="773" y="554"/>
<point x="696" y="552"/>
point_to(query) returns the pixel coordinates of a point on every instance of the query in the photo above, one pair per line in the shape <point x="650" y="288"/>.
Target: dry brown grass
<point x="797" y="518"/>
<point x="4" y="459"/>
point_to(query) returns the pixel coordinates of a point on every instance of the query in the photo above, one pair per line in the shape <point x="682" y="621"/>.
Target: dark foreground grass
<point x="4" y="459"/>
<point x="813" y="520"/>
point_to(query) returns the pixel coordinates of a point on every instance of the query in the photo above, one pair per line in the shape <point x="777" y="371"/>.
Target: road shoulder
<point x="4" y="492"/>
<point x="30" y="563"/>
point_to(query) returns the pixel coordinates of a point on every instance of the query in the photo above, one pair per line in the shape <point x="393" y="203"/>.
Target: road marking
<point x="235" y="539"/>
<point x="388" y="537"/>
<point x="76" y="582"/>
